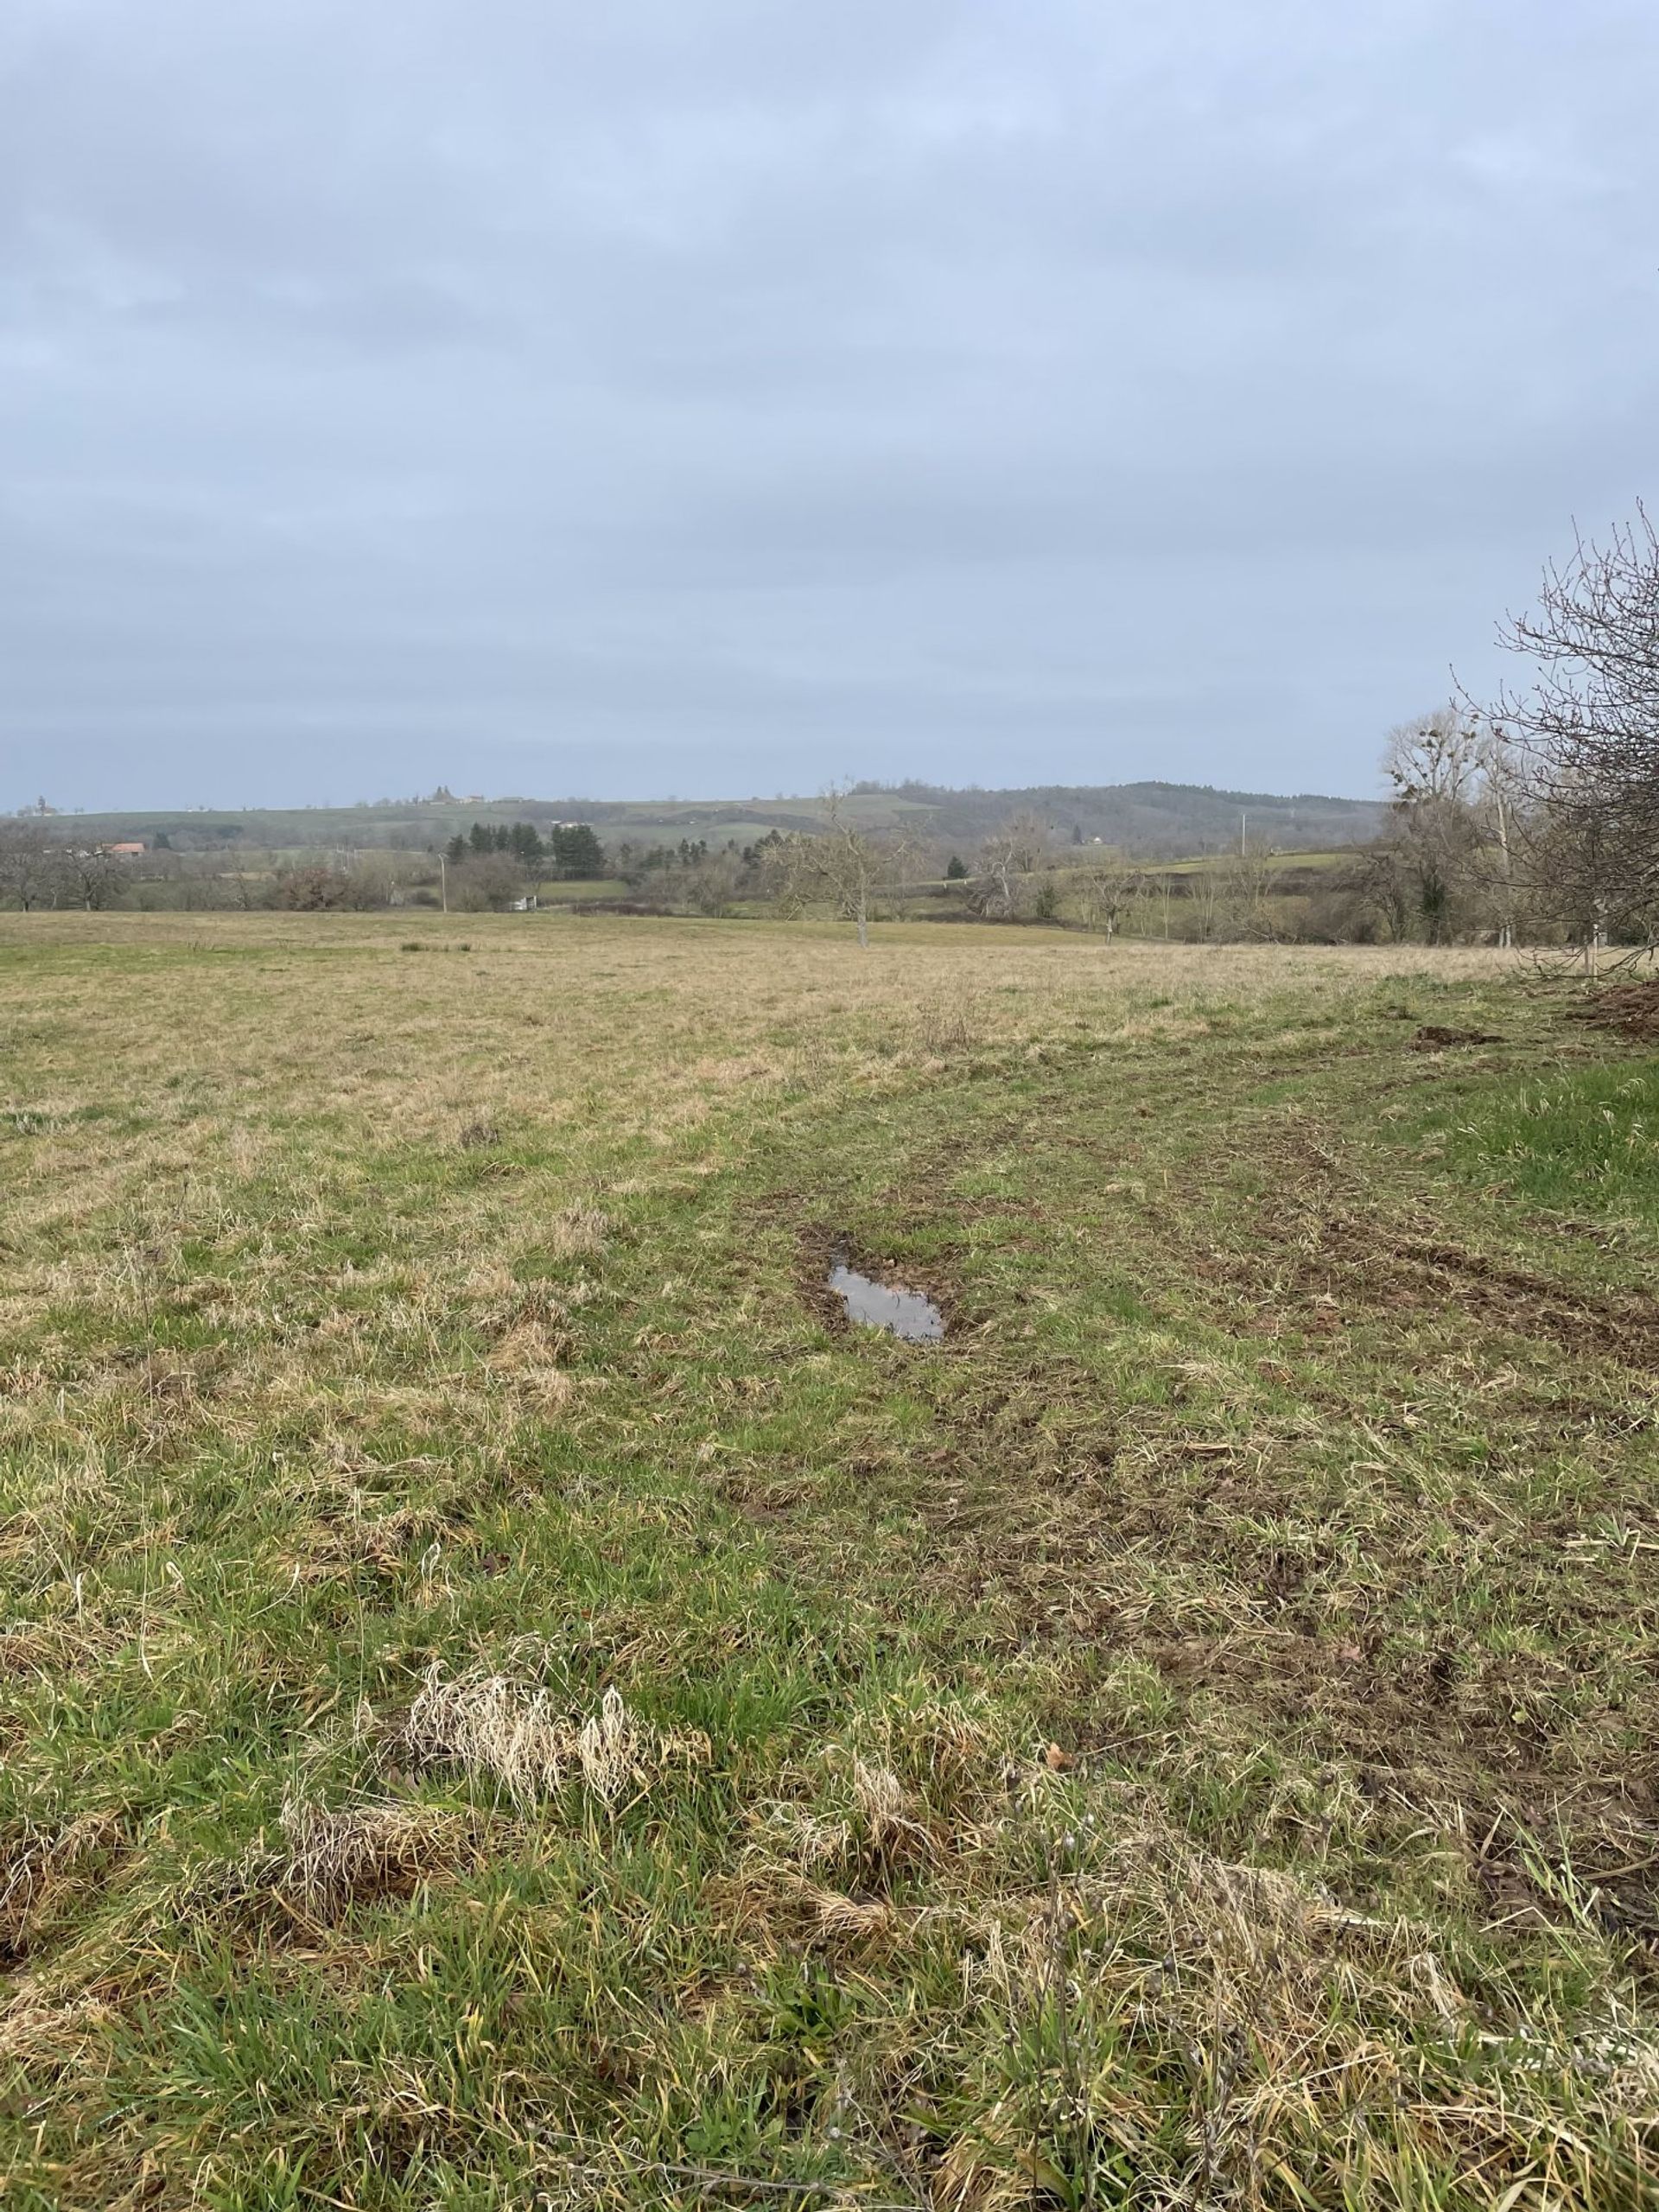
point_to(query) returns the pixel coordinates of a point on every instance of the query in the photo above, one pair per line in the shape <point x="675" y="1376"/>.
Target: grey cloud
<point x="555" y="399"/>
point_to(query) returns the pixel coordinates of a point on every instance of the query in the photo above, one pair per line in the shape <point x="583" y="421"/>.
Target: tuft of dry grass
<point x="575" y="1232"/>
<point x="44" y="1869"/>
<point x="507" y="1729"/>
<point x="334" y="1858"/>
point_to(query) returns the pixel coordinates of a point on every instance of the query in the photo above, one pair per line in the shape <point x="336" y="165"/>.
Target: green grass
<point x="505" y="1701"/>
<point x="561" y="891"/>
<point x="1579" y="1139"/>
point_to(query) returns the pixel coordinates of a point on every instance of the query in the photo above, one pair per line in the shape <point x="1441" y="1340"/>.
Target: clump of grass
<point x="919" y="1784"/>
<point x="949" y="1027"/>
<point x="46" y="1869"/>
<point x="526" y="1357"/>
<point x="331" y="1859"/>
<point x="507" y="1729"/>
<point x="575" y="1232"/>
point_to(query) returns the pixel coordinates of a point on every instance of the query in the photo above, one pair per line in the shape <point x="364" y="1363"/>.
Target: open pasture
<point x="507" y="1700"/>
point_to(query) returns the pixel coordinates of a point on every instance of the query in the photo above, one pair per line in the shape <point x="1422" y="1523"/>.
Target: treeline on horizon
<point x="1155" y="820"/>
<point x="1443" y="870"/>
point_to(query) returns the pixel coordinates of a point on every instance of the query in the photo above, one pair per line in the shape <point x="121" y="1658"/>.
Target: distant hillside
<point x="1152" y="819"/>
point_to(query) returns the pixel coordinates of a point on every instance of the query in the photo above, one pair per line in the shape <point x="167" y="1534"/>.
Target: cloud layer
<point x="729" y="398"/>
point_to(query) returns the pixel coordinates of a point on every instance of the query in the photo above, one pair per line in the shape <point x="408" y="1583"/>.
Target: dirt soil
<point x="1432" y="1038"/>
<point x="1632" y="1009"/>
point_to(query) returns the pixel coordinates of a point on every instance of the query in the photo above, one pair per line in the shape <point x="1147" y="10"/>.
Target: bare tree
<point x="907" y="861"/>
<point x="1575" y="863"/>
<point x="1203" y="893"/>
<point x="28" y="869"/>
<point x="1502" y="815"/>
<point x="1251" y="884"/>
<point x="715" y="883"/>
<point x="89" y="873"/>
<point x="1106" y="887"/>
<point x="1587" y="726"/>
<point x="1433" y="764"/>
<point x="1434" y="759"/>
<point x="245" y="888"/>
<point x="378" y="877"/>
<point x="841" y="862"/>
<point x="1014" y="851"/>
<point x="492" y="882"/>
<point x="1381" y="894"/>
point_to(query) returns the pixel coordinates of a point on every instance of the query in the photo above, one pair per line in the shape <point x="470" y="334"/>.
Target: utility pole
<point x="443" y="879"/>
<point x="1243" y="819"/>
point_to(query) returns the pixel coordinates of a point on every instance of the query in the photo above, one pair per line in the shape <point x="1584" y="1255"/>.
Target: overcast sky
<point x="726" y="396"/>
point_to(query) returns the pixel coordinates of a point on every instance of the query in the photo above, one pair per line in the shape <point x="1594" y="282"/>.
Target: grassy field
<point x="506" y="1702"/>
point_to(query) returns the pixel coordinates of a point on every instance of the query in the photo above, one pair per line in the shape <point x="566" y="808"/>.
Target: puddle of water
<point x="904" y="1313"/>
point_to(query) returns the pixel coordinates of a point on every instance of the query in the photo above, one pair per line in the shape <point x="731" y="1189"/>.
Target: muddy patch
<point x="1432" y="1038"/>
<point x="910" y="1315"/>
<point x="826" y="1255"/>
<point x="1629" y="1009"/>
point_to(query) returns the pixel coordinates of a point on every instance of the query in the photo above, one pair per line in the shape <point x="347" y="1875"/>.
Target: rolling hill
<point x="1155" y="820"/>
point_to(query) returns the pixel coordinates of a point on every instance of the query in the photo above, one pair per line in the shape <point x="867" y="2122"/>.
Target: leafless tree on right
<point x="1586" y="732"/>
